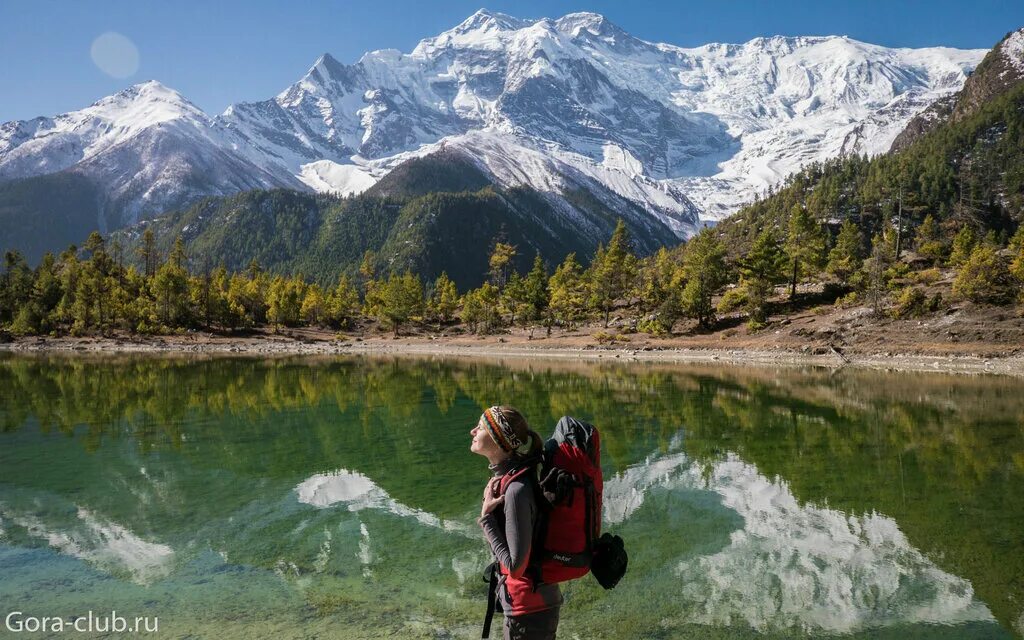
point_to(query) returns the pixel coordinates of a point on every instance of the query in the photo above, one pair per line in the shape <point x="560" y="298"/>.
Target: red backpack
<point x="567" y="540"/>
<point x="570" y="488"/>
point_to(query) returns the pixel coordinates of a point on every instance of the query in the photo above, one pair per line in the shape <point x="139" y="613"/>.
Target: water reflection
<point x="106" y="545"/>
<point x="756" y="502"/>
<point x="356" y="492"/>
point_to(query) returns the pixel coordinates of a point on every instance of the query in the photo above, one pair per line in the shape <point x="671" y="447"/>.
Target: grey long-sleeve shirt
<point x="510" y="535"/>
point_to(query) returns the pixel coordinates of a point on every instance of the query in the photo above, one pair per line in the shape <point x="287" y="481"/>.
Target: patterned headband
<point x="500" y="430"/>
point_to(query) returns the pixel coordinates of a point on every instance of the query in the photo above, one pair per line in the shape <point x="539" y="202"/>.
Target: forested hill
<point x="966" y="168"/>
<point x="432" y="214"/>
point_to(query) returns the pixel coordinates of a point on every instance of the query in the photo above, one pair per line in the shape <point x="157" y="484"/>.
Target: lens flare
<point x="115" y="55"/>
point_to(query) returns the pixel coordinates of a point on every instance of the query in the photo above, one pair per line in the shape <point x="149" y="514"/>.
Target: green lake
<point x="336" y="498"/>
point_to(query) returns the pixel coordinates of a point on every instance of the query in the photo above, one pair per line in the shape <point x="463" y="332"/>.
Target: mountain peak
<point x="574" y="23"/>
<point x="325" y="59"/>
<point x="484" y="28"/>
<point x="326" y="67"/>
<point x="151" y="101"/>
<point x="147" y="89"/>
<point x="485" y="19"/>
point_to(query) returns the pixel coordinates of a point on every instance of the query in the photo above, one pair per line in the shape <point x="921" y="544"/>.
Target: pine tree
<point x="46" y="294"/>
<point x="402" y="300"/>
<point x="170" y="288"/>
<point x="445" y="299"/>
<point x="343" y="304"/>
<point x="276" y="302"/>
<point x="612" y="273"/>
<point x="480" y="308"/>
<point x="805" y="246"/>
<point x="15" y="286"/>
<point x="845" y="258"/>
<point x="1017" y="263"/>
<point x="253" y="295"/>
<point x="117" y="255"/>
<point x="220" y="310"/>
<point x="568" y="292"/>
<point x="654" y="278"/>
<point x="367" y="271"/>
<point x="514" y="298"/>
<point x="1016" y="243"/>
<point x="500" y="263"/>
<point x="537" y="295"/>
<point x="760" y="270"/>
<point x="656" y="291"/>
<point x="472" y="310"/>
<point x="875" y="270"/>
<point x="148" y="253"/>
<point x="928" y="242"/>
<point x="202" y="295"/>
<point x="83" y="315"/>
<point x="140" y="312"/>
<point x="69" y="269"/>
<point x="705" y="272"/>
<point x="239" y="301"/>
<point x="313" y="305"/>
<point x="963" y="246"/>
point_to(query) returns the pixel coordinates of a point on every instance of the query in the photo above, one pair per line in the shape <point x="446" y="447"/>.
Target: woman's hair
<point x="531" y="442"/>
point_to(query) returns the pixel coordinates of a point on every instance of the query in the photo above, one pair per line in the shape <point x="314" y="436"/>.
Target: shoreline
<point x="498" y="347"/>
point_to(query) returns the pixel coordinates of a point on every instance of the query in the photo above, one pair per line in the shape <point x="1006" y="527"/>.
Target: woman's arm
<point x="511" y="547"/>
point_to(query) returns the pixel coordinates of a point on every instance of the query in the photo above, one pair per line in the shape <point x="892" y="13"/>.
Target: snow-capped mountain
<point x="1000" y="70"/>
<point x="147" y="149"/>
<point x="549" y="104"/>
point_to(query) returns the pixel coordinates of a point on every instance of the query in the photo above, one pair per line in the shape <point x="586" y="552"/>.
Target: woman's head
<point x="503" y="432"/>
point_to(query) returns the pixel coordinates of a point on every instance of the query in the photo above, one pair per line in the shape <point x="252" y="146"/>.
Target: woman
<point x="505" y="439"/>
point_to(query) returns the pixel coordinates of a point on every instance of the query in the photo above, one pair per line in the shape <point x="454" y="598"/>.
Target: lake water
<point x="336" y="498"/>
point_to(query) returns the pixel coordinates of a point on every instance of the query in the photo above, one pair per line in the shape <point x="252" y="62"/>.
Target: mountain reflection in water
<point x="755" y="502"/>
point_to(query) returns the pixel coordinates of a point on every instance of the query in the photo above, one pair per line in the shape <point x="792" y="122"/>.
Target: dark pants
<point x="532" y="626"/>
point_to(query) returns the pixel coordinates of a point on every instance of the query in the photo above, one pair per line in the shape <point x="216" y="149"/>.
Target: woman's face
<point x="482" y="443"/>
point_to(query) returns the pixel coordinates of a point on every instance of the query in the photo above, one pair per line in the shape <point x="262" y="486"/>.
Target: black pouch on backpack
<point x="609" y="560"/>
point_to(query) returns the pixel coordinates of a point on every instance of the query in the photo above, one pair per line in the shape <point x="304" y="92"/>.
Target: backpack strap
<point x="540" y="535"/>
<point x="511" y="476"/>
<point x="526" y="471"/>
<point x="491" y="577"/>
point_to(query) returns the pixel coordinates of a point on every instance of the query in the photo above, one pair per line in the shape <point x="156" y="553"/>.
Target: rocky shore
<point x="587" y="344"/>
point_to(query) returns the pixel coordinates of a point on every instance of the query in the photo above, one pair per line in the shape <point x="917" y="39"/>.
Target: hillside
<point x="965" y="169"/>
<point x="433" y="214"/>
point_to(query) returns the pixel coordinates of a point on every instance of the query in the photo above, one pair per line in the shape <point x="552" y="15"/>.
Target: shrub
<point x="896" y="271"/>
<point x="984" y="278"/>
<point x="603" y="337"/>
<point x="928" y="276"/>
<point x="910" y="303"/>
<point x="848" y="300"/>
<point x="733" y="299"/>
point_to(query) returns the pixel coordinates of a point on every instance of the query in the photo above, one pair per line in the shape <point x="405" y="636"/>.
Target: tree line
<point x="93" y="290"/>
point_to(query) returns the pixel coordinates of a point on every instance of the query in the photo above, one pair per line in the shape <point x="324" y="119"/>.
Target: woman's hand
<point x="491" y="500"/>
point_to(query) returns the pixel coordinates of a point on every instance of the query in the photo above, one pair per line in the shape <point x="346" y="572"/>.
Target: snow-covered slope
<point x="713" y="125"/>
<point x="47" y="145"/>
<point x="146" y="148"/>
<point x="544" y="103"/>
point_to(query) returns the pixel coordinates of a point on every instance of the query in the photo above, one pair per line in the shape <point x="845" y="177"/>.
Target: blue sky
<point x="224" y="51"/>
